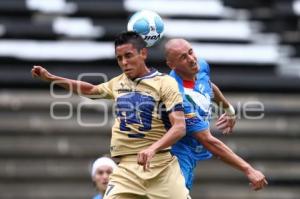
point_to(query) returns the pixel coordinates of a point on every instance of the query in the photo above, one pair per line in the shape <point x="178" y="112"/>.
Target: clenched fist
<point x="257" y="179"/>
<point x="41" y="73"/>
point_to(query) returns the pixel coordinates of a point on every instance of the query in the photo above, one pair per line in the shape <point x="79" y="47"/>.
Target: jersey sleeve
<point x="170" y="94"/>
<point x="204" y="66"/>
<point x="106" y="90"/>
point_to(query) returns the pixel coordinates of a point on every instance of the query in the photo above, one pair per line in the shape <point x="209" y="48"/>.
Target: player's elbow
<point x="214" y="145"/>
<point x="178" y="123"/>
<point x="181" y="130"/>
<point x="208" y="140"/>
<point x="215" y="88"/>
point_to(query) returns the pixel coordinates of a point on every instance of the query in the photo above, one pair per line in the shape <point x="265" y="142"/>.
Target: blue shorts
<point x="187" y="166"/>
<point x="188" y="160"/>
<point x="189" y="151"/>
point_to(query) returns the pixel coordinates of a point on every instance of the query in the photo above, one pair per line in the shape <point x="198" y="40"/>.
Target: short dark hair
<point x="130" y="37"/>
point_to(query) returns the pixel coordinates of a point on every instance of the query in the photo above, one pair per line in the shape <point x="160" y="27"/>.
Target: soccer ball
<point x="148" y="24"/>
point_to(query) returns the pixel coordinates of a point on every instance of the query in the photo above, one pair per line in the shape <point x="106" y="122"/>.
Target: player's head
<point x="131" y="53"/>
<point x="181" y="57"/>
<point x="130" y="37"/>
<point x="101" y="170"/>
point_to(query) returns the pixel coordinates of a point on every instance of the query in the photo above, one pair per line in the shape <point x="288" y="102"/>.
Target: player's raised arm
<point x="218" y="148"/>
<point x="227" y="121"/>
<point x="79" y="87"/>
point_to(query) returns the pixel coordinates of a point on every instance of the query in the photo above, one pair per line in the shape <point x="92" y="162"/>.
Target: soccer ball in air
<point x="148" y="24"/>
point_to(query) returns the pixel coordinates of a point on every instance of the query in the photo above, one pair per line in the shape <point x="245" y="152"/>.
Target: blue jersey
<point x="98" y="196"/>
<point x="197" y="110"/>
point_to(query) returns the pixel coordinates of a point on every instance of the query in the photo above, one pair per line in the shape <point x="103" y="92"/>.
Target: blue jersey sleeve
<point x="204" y="66"/>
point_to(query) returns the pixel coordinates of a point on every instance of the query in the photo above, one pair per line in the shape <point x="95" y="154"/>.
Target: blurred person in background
<point x="193" y="78"/>
<point x="101" y="170"/>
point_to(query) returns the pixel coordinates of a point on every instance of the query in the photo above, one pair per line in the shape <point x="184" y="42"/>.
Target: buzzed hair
<point x="130" y="37"/>
<point x="171" y="43"/>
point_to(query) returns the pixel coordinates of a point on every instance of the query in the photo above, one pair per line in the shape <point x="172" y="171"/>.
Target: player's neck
<point x="141" y="73"/>
<point x="144" y="71"/>
<point x="188" y="77"/>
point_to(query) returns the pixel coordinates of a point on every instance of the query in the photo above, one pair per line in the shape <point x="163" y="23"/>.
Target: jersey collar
<point x="153" y="72"/>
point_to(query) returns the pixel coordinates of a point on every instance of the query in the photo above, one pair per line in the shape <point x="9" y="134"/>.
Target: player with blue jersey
<point x="193" y="78"/>
<point x="197" y="97"/>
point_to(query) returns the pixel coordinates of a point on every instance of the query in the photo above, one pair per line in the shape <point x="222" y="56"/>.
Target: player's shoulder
<point x="118" y="78"/>
<point x="165" y="78"/>
<point x="204" y="66"/>
<point x="202" y="61"/>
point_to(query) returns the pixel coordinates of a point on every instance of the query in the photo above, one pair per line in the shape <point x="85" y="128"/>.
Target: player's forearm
<point x="219" y="149"/>
<point x="219" y="98"/>
<point x="221" y="101"/>
<point x="175" y="133"/>
<point x="76" y="86"/>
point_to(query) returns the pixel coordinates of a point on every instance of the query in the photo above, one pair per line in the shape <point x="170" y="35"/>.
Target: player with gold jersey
<point x="141" y="109"/>
<point x="149" y="119"/>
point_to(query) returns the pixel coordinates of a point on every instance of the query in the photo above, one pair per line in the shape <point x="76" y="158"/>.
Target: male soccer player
<point x="193" y="78"/>
<point x="149" y="119"/>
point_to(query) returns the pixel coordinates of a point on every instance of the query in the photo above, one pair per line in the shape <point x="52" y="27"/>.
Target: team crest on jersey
<point x="122" y="84"/>
<point x="124" y="88"/>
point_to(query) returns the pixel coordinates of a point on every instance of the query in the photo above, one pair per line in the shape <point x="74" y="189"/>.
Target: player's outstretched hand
<point x="257" y="179"/>
<point x="144" y="157"/>
<point x="40" y="72"/>
<point x="226" y="123"/>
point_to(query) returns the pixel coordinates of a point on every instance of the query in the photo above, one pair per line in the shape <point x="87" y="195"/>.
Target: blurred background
<point x="49" y="139"/>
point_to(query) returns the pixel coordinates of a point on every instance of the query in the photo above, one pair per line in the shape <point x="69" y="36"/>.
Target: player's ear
<point x="144" y="53"/>
<point x="169" y="64"/>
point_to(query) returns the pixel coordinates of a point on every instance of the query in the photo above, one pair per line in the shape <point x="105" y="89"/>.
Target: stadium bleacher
<point x="254" y="51"/>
